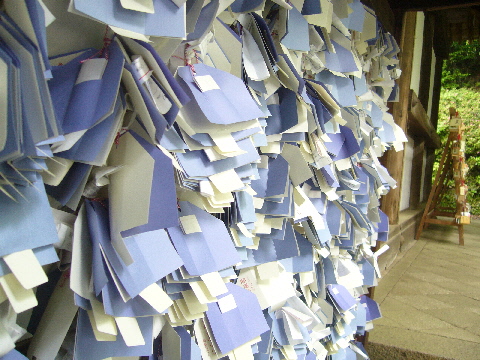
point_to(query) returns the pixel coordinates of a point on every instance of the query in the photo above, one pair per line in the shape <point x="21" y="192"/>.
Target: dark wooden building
<point x="425" y="30"/>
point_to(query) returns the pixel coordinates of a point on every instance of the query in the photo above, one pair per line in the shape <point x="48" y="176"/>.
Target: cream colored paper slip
<point x="21" y="299"/>
<point x="26" y="268"/>
<point x="130" y="331"/>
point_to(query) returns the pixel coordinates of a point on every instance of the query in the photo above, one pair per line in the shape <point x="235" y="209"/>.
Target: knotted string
<point x="187" y="61"/>
<point x="122" y="132"/>
<point x="104" y="50"/>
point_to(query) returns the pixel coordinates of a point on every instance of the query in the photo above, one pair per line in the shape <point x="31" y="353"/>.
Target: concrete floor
<point x="430" y="298"/>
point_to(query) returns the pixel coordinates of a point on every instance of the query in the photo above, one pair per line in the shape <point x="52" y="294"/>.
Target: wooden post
<point x="393" y="160"/>
<point x="426" y="65"/>
<point x="437" y="87"/>
<point x="417" y="169"/>
<point x="461" y="235"/>
<point x="430" y="159"/>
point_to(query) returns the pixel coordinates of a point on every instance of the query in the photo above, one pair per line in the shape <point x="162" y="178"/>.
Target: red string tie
<point x="104" y="50"/>
<point x="122" y="132"/>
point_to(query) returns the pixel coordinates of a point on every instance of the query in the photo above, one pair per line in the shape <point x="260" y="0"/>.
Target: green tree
<point x="461" y="68"/>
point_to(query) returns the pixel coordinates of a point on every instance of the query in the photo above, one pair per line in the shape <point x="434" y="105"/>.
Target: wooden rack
<point x="452" y="169"/>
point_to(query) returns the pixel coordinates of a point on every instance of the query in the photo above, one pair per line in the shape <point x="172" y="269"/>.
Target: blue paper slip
<point x="167" y="19"/>
<point x="85" y="339"/>
<point x="203" y="252"/>
<point x="29" y="215"/>
<point x="229" y="96"/>
<point x="239" y="325"/>
<point x="94" y="92"/>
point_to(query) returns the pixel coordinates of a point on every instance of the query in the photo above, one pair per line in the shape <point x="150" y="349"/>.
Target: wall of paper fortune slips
<point x="194" y="180"/>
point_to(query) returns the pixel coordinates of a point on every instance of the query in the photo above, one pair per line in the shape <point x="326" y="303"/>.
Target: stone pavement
<point x="430" y="298"/>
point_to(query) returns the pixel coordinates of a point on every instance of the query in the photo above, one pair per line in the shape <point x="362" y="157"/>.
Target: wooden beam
<point x="445" y="213"/>
<point x="441" y="222"/>
<point x="393" y="160"/>
<point x="447" y="208"/>
<point x="428" y="5"/>
<point x="419" y="124"/>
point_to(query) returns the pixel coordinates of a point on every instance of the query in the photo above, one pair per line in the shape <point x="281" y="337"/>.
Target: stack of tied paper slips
<point x="186" y="180"/>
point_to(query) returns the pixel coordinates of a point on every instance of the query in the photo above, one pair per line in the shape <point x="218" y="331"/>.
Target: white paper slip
<point x="244" y="352"/>
<point x="6" y="342"/>
<point x="92" y="69"/>
<point x="26" y="268"/>
<point x="268" y="270"/>
<point x="3" y="103"/>
<point x="214" y="283"/>
<point x="206" y="188"/>
<point x="225" y="143"/>
<point x="323" y="252"/>
<point x="243" y="229"/>
<point x="130" y="331"/>
<point x="158" y="96"/>
<point x="55" y="322"/>
<point x="104" y="323"/>
<point x="289" y="352"/>
<point x="181" y="304"/>
<point x="3" y="296"/>
<point x="99" y="336"/>
<point x="205" y="83"/>
<point x="189" y="224"/>
<point x="21" y="299"/>
<point x="205" y="342"/>
<point x="144" y="74"/>
<point x="193" y="304"/>
<point x="156" y="297"/>
<point x="227" y="181"/>
<point x="202" y="293"/>
<point x="139" y="5"/>
<point x="227" y="303"/>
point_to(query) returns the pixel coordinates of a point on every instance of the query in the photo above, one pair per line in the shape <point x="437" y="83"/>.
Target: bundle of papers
<point x="203" y="178"/>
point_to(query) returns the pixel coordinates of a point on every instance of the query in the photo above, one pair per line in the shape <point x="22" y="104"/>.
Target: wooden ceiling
<point x="453" y="20"/>
<point x="463" y="23"/>
<point x="429" y="5"/>
<point x="461" y="18"/>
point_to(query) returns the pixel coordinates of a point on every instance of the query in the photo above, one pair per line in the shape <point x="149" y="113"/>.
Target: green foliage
<point x="460" y="89"/>
<point x="467" y="103"/>
<point x="461" y="68"/>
